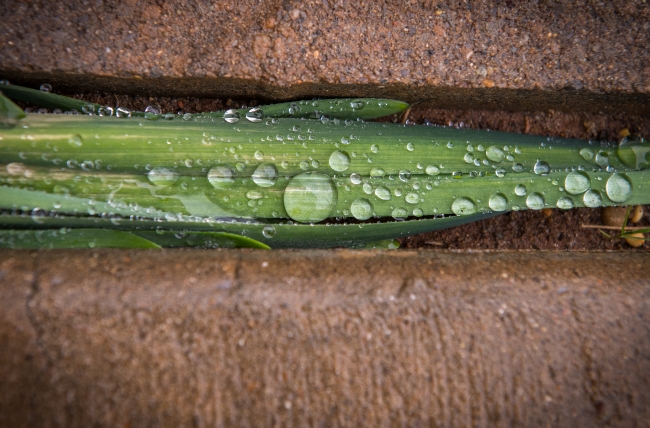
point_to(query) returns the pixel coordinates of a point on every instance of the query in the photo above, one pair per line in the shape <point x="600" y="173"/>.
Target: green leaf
<point x="10" y="113"/>
<point x="72" y="238"/>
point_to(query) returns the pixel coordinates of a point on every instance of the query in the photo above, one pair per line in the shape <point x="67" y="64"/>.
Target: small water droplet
<point x="418" y="212"/>
<point x="254" y="194"/>
<point x="463" y="206"/>
<point x="122" y="112"/>
<point x="618" y="188"/>
<point x="255" y="115"/>
<point x="432" y="170"/>
<point x="161" y="176"/>
<point x="469" y="158"/>
<point x="310" y="197"/>
<point x="377" y="173"/>
<point x="410" y="147"/>
<point x="541" y="167"/>
<point x="268" y="231"/>
<point x="576" y="182"/>
<point x="361" y="209"/>
<point x="75" y="141"/>
<point x="374" y="148"/>
<point x="382" y="193"/>
<point x="520" y="190"/>
<point x="404" y="175"/>
<point x="587" y="154"/>
<point x="304" y="165"/>
<point x="367" y="188"/>
<point x="412" y="198"/>
<point x="517" y="167"/>
<point x="259" y="155"/>
<point x="231" y="116"/>
<point x="108" y="111"/>
<point x="46" y="87"/>
<point x="500" y="172"/>
<point x="355" y="178"/>
<point x="399" y="213"/>
<point x="339" y="161"/>
<point x="495" y="154"/>
<point x="592" y="198"/>
<point x="221" y="176"/>
<point x="265" y="175"/>
<point x="602" y="159"/>
<point x="535" y="201"/>
<point x="564" y="203"/>
<point x="498" y="202"/>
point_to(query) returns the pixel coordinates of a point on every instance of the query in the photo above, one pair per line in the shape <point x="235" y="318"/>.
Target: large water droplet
<point x="339" y="161"/>
<point x="231" y="116"/>
<point x="541" y="167"/>
<point x="564" y="203"/>
<point x="432" y="170"/>
<point x="576" y="182"/>
<point x="618" y="188"/>
<point x="535" y="201"/>
<point x="633" y="153"/>
<point x="520" y="190"/>
<point x="495" y="154"/>
<point x="255" y="115"/>
<point x="265" y="175"/>
<point x="382" y="193"/>
<point x="463" y="206"/>
<point x="361" y="209"/>
<point x="162" y="176"/>
<point x="221" y="176"/>
<point x="310" y="197"/>
<point x="592" y="198"/>
<point x="498" y="202"/>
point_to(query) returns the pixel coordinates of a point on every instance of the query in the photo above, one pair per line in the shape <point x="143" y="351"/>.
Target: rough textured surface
<point x="322" y="338"/>
<point x="571" y="55"/>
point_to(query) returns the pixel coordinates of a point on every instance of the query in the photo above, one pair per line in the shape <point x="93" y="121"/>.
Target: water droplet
<point x="310" y="197"/>
<point x="169" y="116"/>
<point x="576" y="182"/>
<point x="382" y="193"/>
<point x="259" y="155"/>
<point x="432" y="170"/>
<point x="187" y="116"/>
<point x="374" y="148"/>
<point x="377" y="173"/>
<point x="498" y="202"/>
<point x="361" y="209"/>
<point x="587" y="154"/>
<point x="541" y="167"/>
<point x="602" y="159"/>
<point x="268" y="231"/>
<point x="618" y="188"/>
<point x="469" y="158"/>
<point x="357" y="104"/>
<point x="463" y="206"/>
<point x="367" y="188"/>
<point x="592" y="198"/>
<point x="221" y="176"/>
<point x="418" y="212"/>
<point x="339" y="161"/>
<point x="564" y="203"/>
<point x="304" y="165"/>
<point x="535" y="201"/>
<point x="412" y="198"/>
<point x="231" y="116"/>
<point x="517" y="167"/>
<point x="355" y="178"/>
<point x="398" y="192"/>
<point x="450" y="145"/>
<point x="240" y="166"/>
<point x="254" y="194"/>
<point x="404" y="175"/>
<point x="108" y="111"/>
<point x="75" y="141"/>
<point x="520" y="190"/>
<point x="410" y="147"/>
<point x="500" y="172"/>
<point x="255" y="115"/>
<point x="633" y="153"/>
<point x="399" y="213"/>
<point x="122" y="112"/>
<point x="495" y="154"/>
<point x="46" y="87"/>
<point x="161" y="176"/>
<point x="265" y="175"/>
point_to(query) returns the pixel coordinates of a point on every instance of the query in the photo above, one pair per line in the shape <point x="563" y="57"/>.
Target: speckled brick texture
<point x="324" y="339"/>
<point x="415" y="49"/>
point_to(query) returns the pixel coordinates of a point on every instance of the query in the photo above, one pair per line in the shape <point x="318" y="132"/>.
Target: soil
<point x="551" y="229"/>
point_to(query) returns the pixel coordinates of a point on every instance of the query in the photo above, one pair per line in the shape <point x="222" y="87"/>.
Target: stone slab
<point x="324" y="338"/>
<point x="564" y="55"/>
